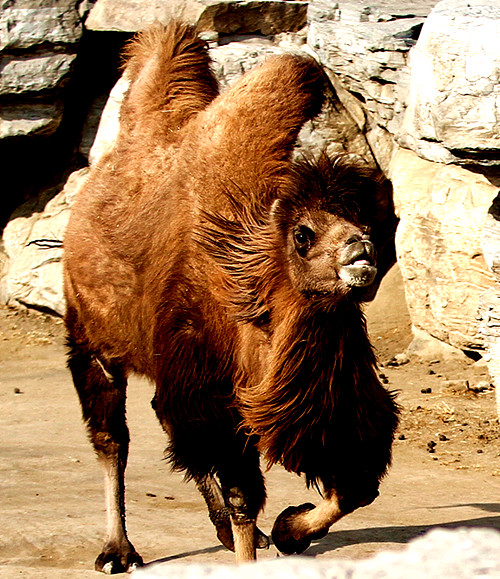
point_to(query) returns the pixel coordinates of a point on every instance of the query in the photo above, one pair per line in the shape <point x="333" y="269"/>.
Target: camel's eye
<point x="303" y="237"/>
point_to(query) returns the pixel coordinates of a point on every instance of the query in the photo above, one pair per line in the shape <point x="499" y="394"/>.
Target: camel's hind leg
<point x="102" y="392"/>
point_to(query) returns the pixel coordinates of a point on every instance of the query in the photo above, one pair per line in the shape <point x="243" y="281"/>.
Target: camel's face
<point x="328" y="254"/>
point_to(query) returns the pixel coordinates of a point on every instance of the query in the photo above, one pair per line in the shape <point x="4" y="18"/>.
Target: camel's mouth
<point x="358" y="268"/>
<point x="358" y="274"/>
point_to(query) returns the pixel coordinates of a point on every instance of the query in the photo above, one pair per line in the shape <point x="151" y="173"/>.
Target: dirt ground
<point x="446" y="468"/>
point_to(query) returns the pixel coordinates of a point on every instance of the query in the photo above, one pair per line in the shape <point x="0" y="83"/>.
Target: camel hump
<point x="171" y="79"/>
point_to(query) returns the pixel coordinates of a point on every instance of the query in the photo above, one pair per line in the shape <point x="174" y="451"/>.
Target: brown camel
<point x="199" y="255"/>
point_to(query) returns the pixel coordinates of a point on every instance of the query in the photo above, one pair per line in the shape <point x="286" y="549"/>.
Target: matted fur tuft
<point x="321" y="409"/>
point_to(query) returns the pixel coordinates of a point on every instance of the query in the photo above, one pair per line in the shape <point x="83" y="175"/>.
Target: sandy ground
<point x="446" y="469"/>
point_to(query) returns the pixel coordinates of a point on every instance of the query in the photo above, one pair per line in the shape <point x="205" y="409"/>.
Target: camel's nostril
<point x="370" y="249"/>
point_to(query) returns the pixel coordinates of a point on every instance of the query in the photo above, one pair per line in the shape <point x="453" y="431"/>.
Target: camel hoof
<point x="285" y="532"/>
<point x="261" y="540"/>
<point x="113" y="563"/>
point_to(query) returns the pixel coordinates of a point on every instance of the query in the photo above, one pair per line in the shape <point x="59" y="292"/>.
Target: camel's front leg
<point x="219" y="514"/>
<point x="296" y="527"/>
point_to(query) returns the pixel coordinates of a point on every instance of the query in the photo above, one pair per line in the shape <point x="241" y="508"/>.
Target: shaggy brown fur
<point x="201" y="257"/>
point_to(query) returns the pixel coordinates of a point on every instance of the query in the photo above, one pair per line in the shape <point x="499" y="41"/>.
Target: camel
<point x="200" y="255"/>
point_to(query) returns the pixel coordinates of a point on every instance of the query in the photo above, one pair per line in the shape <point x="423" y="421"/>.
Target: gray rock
<point x="366" y="45"/>
<point x="454" y="91"/>
<point x="38" y="43"/>
<point x="461" y="554"/>
<point x="33" y="276"/>
<point x="223" y="16"/>
<point x="27" y="23"/>
<point x="234" y="58"/>
<point x="30" y="118"/>
<point x="34" y="73"/>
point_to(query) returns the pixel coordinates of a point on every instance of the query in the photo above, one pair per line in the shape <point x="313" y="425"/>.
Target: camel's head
<point x="324" y="219"/>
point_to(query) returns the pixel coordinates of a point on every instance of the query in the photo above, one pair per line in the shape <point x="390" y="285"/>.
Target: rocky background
<point x="415" y="90"/>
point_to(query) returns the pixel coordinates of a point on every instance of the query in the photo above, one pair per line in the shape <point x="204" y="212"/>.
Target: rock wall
<point x="38" y="44"/>
<point x="415" y="90"/>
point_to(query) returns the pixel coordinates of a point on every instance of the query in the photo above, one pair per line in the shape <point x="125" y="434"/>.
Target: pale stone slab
<point x="454" y="98"/>
<point x="442" y="211"/>
<point x="223" y="16"/>
<point x="29" y="119"/>
<point x="41" y="72"/>
<point x="34" y="276"/>
<point x="27" y="23"/>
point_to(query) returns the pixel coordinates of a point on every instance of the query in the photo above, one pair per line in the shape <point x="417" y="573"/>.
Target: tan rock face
<point x="223" y="16"/>
<point x="442" y="211"/>
<point x="34" y="277"/>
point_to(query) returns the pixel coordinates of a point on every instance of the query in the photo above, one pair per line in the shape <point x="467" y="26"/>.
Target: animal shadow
<point x="405" y="533"/>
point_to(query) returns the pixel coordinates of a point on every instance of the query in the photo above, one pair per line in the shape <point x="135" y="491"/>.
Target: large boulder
<point x="364" y="46"/>
<point x="442" y="211"/>
<point x="445" y="189"/>
<point x="32" y="244"/>
<point x="454" y="97"/>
